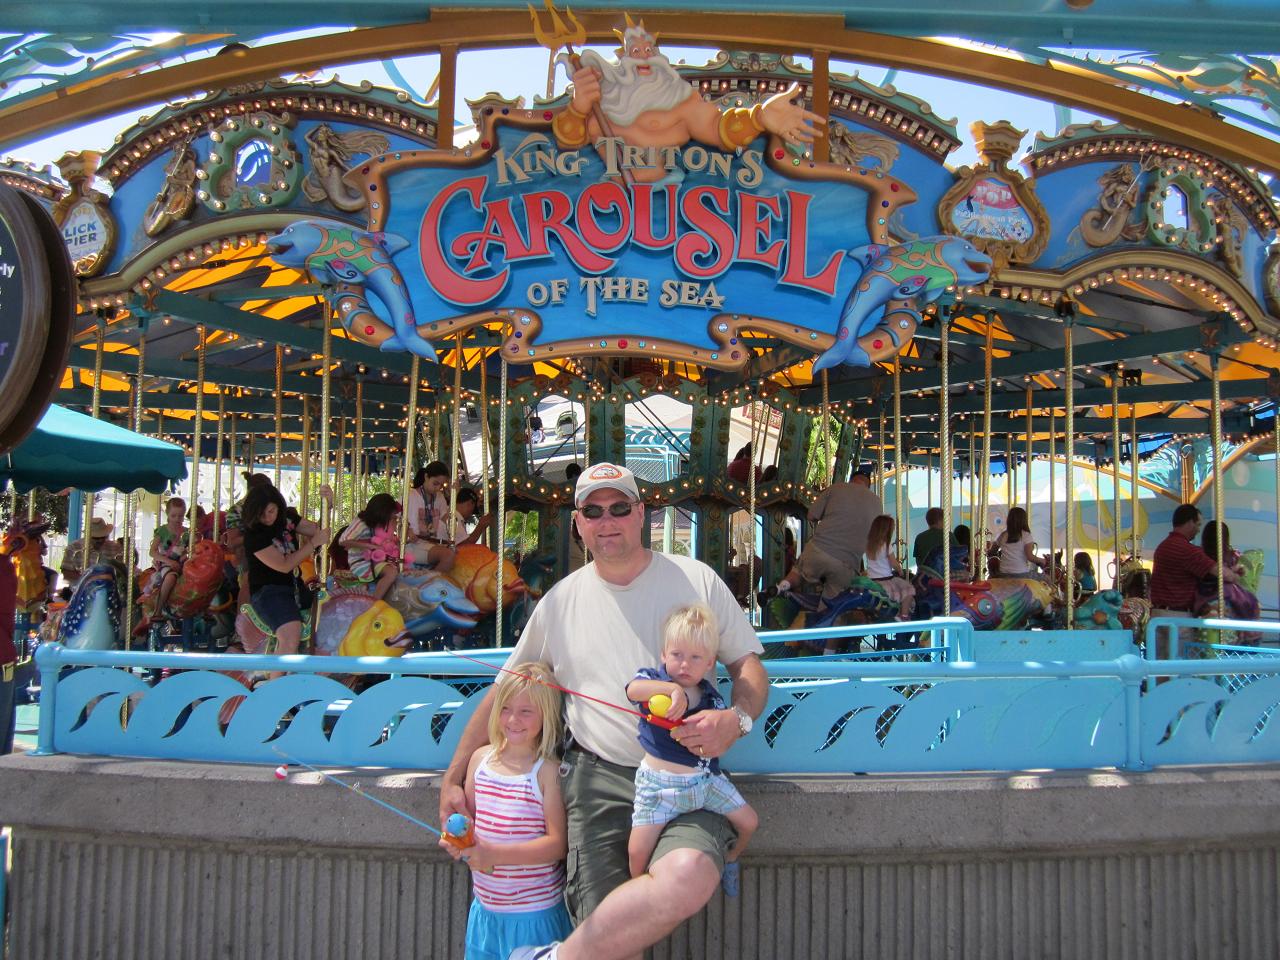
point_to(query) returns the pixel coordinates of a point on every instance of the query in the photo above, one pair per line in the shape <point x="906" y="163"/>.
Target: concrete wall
<point x="136" y="859"/>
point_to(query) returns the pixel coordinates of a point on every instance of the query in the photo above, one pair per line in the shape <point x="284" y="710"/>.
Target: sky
<point x="522" y="71"/>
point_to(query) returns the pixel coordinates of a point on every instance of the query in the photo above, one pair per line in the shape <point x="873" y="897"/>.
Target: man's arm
<point x="712" y="732"/>
<point x="453" y="794"/>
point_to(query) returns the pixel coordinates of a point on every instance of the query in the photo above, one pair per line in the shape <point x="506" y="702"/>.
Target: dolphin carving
<point x="883" y="309"/>
<point x="355" y="262"/>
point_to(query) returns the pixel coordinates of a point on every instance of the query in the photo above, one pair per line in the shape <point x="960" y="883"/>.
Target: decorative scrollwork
<point x="252" y="165"/>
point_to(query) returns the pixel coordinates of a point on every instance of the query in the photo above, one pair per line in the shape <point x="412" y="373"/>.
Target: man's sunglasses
<point x="619" y="508"/>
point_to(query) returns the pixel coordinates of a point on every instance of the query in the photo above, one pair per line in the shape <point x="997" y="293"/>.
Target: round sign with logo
<point x="37" y="302"/>
<point x="88" y="236"/>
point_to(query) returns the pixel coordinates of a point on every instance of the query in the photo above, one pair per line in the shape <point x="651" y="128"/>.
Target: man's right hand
<point x="453" y="799"/>
<point x="586" y="89"/>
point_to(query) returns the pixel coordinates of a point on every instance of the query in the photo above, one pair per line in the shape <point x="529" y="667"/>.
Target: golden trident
<point x="567" y="35"/>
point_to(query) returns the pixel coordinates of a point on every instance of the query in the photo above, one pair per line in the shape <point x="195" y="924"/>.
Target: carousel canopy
<point x="68" y="449"/>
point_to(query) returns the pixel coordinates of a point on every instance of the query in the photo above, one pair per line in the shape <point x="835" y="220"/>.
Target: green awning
<point x="68" y="449"/>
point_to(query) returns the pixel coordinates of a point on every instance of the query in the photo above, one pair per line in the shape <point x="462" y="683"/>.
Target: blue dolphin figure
<point x="917" y="272"/>
<point x="356" y="260"/>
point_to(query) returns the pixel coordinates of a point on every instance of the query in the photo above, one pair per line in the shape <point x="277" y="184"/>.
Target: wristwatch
<point x="744" y="720"/>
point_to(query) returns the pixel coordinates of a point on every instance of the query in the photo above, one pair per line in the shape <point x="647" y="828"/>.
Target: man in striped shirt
<point x="1179" y="565"/>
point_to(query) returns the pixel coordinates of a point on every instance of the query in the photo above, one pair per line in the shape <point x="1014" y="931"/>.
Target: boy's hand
<point x="679" y="702"/>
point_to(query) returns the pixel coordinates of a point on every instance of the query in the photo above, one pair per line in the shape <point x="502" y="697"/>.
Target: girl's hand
<point x="480" y="857"/>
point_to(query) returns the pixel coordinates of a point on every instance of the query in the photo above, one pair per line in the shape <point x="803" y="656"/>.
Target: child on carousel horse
<point x="373" y="549"/>
<point x="168" y="551"/>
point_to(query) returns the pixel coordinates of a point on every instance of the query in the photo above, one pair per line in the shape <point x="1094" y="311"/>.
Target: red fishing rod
<point x="652" y="718"/>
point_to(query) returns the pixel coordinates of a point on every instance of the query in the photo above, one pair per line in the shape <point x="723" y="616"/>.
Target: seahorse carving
<point x="178" y="194"/>
<point x="1108" y="222"/>
<point x="331" y="157"/>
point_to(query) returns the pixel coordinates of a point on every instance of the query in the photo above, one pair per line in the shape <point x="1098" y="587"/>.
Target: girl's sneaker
<point x="731" y="879"/>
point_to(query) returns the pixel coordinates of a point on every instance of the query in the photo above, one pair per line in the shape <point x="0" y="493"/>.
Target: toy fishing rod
<point x="657" y="708"/>
<point x="458" y="829"/>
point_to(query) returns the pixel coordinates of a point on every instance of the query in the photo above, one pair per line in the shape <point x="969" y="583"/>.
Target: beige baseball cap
<point x="605" y="476"/>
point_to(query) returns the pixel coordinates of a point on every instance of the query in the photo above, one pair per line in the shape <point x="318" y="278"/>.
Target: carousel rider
<point x="100" y="549"/>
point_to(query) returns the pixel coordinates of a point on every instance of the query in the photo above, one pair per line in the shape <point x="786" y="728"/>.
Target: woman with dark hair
<point x="274" y="556"/>
<point x="1242" y="603"/>
<point x="426" y="509"/>
<point x="1014" y="547"/>
<point x="373" y="548"/>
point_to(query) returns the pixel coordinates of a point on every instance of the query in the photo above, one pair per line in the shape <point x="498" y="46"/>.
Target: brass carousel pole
<point x="1068" y="558"/>
<point x="87" y="540"/>
<point x="340" y="485"/>
<point x="217" y="468"/>
<point x="1053" y="494"/>
<point x="484" y="433"/>
<point x="945" y="458"/>
<point x="196" y="428"/>
<point x="899" y="518"/>
<point x="502" y="498"/>
<point x="279" y="410"/>
<point x="326" y="403"/>
<point x="456" y="440"/>
<point x="1134" y="460"/>
<point x="974" y="546"/>
<point x="411" y="436"/>
<point x="135" y="418"/>
<point x="1029" y="437"/>
<point x="1219" y="498"/>
<point x="305" y="495"/>
<point x="359" y="464"/>
<point x="1115" y="466"/>
<point x="231" y="480"/>
<point x="880" y="459"/>
<point x="826" y="431"/>
<point x="980" y="534"/>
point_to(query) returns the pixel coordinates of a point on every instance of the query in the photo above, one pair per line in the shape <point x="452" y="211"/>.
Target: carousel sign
<point x="638" y="219"/>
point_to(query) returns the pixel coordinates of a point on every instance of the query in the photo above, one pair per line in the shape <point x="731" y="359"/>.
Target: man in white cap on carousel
<point x="596" y="628"/>
<point x="100" y="548"/>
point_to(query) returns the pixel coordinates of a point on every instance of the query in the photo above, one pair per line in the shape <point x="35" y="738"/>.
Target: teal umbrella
<point x="68" y="449"/>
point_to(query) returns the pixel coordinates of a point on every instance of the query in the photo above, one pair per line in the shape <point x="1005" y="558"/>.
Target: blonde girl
<point x="883" y="566"/>
<point x="513" y="791"/>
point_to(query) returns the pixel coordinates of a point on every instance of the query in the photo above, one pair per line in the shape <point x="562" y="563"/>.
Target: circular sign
<point x="86" y="233"/>
<point x="37" y="298"/>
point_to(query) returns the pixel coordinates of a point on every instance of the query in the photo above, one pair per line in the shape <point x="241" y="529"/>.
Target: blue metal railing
<point x="824" y="714"/>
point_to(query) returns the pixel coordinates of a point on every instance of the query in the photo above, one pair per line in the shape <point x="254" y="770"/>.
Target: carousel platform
<point x="116" y="857"/>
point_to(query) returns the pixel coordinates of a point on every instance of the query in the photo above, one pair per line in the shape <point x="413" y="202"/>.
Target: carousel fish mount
<point x="635" y="219"/>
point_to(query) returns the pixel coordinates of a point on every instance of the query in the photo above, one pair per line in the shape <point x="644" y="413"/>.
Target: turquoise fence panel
<point x="1017" y="646"/>
<point x="824" y="714"/>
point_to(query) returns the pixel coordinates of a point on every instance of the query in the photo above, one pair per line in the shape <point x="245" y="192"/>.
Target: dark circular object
<point x="37" y="305"/>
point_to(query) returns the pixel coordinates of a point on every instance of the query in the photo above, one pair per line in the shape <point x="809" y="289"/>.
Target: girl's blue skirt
<point x="492" y="936"/>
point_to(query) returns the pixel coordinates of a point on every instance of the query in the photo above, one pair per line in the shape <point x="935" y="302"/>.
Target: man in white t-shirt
<point x="596" y="628"/>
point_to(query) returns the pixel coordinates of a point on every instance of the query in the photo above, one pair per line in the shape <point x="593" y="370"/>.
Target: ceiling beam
<point x="250" y="406"/>
<point x="971" y="401"/>
<point x="1092" y="353"/>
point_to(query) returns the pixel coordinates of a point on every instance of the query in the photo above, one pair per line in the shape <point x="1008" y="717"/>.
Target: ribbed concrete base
<point x="123" y="859"/>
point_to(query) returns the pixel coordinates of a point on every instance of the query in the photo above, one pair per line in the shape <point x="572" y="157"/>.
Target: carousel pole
<point x="1068" y="558"/>
<point x="1219" y="497"/>
<point x="359" y="464"/>
<point x="880" y="459"/>
<point x="1115" y="466"/>
<point x="160" y="499"/>
<point x="945" y="458"/>
<point x="456" y="440"/>
<point x="135" y="419"/>
<point x="231" y="480"/>
<point x="1275" y="417"/>
<point x="1030" y="433"/>
<point x="411" y="436"/>
<point x="87" y="540"/>
<point x="502" y="498"/>
<point x="340" y="474"/>
<point x="249" y="453"/>
<point x="751" y="515"/>
<point x="899" y="518"/>
<point x="484" y="433"/>
<point x="826" y="430"/>
<point x="980" y="534"/>
<point x="974" y="546"/>
<point x="279" y="410"/>
<point x="196" y="427"/>
<point x="217" y="469"/>
<point x="326" y="404"/>
<point x="305" y="494"/>
<point x="1053" y="492"/>
<point x="1133" y="483"/>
